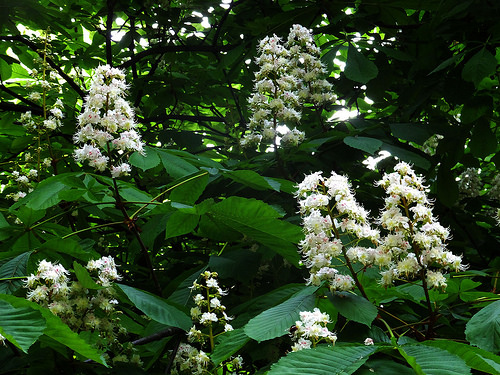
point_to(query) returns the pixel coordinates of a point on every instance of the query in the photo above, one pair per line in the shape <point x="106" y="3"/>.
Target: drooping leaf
<point x="15" y="267"/>
<point x="483" y="329"/>
<point x="434" y="361"/>
<point x="175" y="166"/>
<point x="228" y="344"/>
<point x="354" y="307"/>
<point x="276" y="321"/>
<point x="188" y="192"/>
<point x="21" y="326"/>
<point x="323" y="360"/>
<point x="384" y="367"/>
<point x="157" y="308"/>
<point x="358" y="67"/>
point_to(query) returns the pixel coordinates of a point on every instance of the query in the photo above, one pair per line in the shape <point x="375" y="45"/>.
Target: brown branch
<point x="109" y="27"/>
<point x="158" y="336"/>
<point x="192" y="118"/>
<point x="7" y="106"/>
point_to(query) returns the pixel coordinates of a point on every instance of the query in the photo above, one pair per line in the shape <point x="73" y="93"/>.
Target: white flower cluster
<point x="208" y="310"/>
<point x="52" y="122"/>
<point x="415" y="241"/>
<point x="329" y="208"/>
<point x="2" y="340"/>
<point x="106" y="126"/>
<point x="311" y="329"/>
<point x="289" y="76"/>
<point x="469" y="183"/>
<point x="80" y="308"/>
<point x="413" y="245"/>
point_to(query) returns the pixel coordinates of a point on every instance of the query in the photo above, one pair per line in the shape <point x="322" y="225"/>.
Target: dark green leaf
<point x="366" y="144"/>
<point x="228" y="344"/>
<point x="483" y="329"/>
<point x="180" y="223"/>
<point x="13" y="268"/>
<point x="157" y="308"/>
<point x="481" y="65"/>
<point x="84" y="277"/>
<point x="435" y="361"/>
<point x="354" y="307"/>
<point x="359" y="68"/>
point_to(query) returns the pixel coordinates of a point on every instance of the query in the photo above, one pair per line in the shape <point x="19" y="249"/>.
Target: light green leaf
<point x="354" y="307"/>
<point x="57" y="330"/>
<point x="145" y="162"/>
<point x="434" y="361"/>
<point x="157" y="308"/>
<point x="277" y="321"/>
<point x="21" y="326"/>
<point x="359" y="68"/>
<point x="323" y="360"/>
<point x="481" y="65"/>
<point x="188" y="192"/>
<point x="475" y="358"/>
<point x="366" y="144"/>
<point x="483" y="329"/>
<point x="68" y="246"/>
<point x="15" y="267"/>
<point x="227" y="344"/>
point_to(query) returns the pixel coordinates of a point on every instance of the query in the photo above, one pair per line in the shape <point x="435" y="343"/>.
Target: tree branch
<point x="6" y="106"/>
<point x="158" y="336"/>
<point x="173" y="48"/>
<point x="109" y="25"/>
<point x="192" y="118"/>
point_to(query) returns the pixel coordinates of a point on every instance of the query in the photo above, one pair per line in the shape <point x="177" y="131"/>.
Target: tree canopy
<point x="195" y="122"/>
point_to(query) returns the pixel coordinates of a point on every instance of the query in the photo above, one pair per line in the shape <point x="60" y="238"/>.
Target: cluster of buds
<point x="311" y="329"/>
<point x="415" y="242"/>
<point x="106" y="126"/>
<point x="82" y="309"/>
<point x="190" y="360"/>
<point x="54" y="116"/>
<point x="289" y="76"/>
<point x="24" y="178"/>
<point x="329" y="209"/>
<point x="209" y="311"/>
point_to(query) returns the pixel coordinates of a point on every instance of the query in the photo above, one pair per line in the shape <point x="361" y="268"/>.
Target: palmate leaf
<point x="323" y="360"/>
<point x="57" y="330"/>
<point x="276" y="321"/>
<point x="15" y="267"/>
<point x="483" y="329"/>
<point x="433" y="361"/>
<point x="157" y="308"/>
<point x="21" y="326"/>
<point x="354" y="307"/>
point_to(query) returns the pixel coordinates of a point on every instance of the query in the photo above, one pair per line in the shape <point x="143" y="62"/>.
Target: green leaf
<point x="366" y="144"/>
<point x="277" y="321"/>
<point x="434" y="361"/>
<point x="359" y="68"/>
<point x="15" y="267"/>
<point x="481" y="65"/>
<point x="188" y="192"/>
<point x="68" y="246"/>
<point x="57" y="330"/>
<point x="84" y="277"/>
<point x="323" y="360"/>
<point x="407" y="156"/>
<point x="253" y="180"/>
<point x="157" y="308"/>
<point x="483" y="329"/>
<point x="227" y="344"/>
<point x="411" y="132"/>
<point x="145" y="162"/>
<point x="447" y="187"/>
<point x="21" y="326"/>
<point x="354" y="307"/>
<point x="180" y="223"/>
<point x="46" y="194"/>
<point x="257" y="220"/>
<point x="175" y="166"/>
<point x="29" y="216"/>
<point x="475" y="358"/>
<point x="384" y="367"/>
<point x="483" y="141"/>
